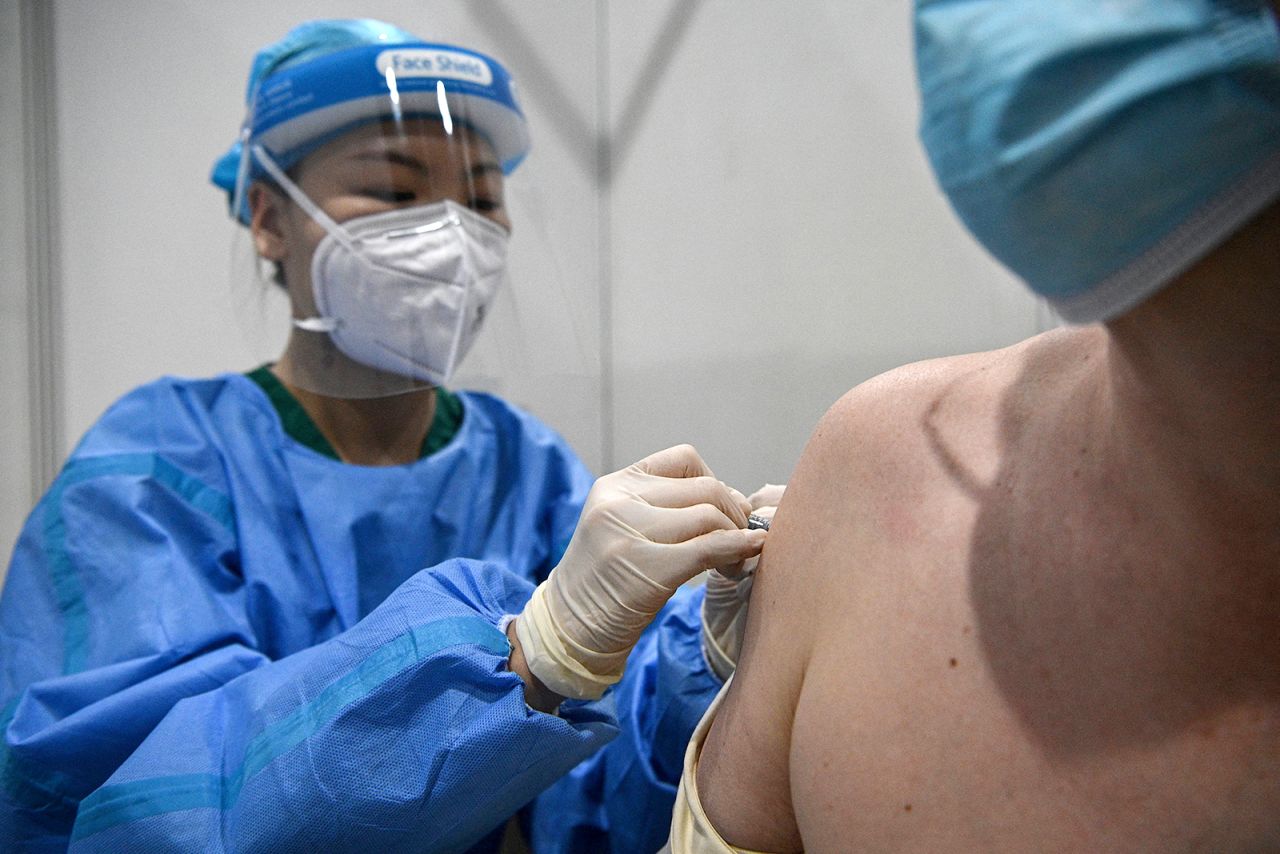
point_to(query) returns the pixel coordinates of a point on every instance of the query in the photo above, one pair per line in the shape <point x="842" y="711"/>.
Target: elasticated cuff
<point x="549" y="657"/>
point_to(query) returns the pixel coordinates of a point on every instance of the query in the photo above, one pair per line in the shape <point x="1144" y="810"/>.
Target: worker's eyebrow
<point x="384" y="155"/>
<point x="480" y="169"/>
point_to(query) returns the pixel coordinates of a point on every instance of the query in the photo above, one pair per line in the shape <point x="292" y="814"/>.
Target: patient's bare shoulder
<point x="899" y="472"/>
<point x="1001" y="655"/>
<point x="862" y="489"/>
<point x="971" y="634"/>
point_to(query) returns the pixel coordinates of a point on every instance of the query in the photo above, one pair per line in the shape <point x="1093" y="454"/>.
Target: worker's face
<point x="370" y="170"/>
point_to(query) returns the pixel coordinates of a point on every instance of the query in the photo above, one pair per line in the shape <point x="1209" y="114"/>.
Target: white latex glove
<point x="644" y="531"/>
<point x="724" y="611"/>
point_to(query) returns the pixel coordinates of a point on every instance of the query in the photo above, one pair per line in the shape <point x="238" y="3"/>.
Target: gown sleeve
<point x="139" y="712"/>
<point x="621" y="798"/>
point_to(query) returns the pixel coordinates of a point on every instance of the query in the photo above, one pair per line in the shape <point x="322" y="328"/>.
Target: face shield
<point x="374" y="185"/>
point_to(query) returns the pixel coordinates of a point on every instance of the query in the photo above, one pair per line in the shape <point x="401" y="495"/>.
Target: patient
<point x="1030" y="599"/>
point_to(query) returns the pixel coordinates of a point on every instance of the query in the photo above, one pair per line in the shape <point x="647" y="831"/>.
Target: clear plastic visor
<point x="388" y="239"/>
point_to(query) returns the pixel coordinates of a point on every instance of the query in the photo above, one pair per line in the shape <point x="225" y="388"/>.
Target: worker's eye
<point x="389" y="195"/>
<point x="485" y="205"/>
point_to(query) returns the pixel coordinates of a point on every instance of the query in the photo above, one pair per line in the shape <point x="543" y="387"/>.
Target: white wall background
<point x="726" y="196"/>
<point x="16" y="487"/>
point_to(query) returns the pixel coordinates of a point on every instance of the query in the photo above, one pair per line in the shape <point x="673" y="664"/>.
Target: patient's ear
<point x="266" y="214"/>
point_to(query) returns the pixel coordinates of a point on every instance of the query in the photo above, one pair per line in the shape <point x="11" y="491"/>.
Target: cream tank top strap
<point x="691" y="830"/>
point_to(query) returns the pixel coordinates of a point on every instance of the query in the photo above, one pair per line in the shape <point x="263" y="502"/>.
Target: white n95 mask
<point x="404" y="291"/>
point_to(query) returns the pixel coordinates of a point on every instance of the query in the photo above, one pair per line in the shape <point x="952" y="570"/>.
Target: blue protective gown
<point x="214" y="638"/>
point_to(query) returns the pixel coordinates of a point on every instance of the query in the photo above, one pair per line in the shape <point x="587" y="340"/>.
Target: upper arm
<point x="743" y="776"/>
<point x="851" y="513"/>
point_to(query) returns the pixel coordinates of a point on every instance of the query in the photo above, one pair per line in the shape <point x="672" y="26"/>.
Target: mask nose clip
<point x="316" y="324"/>
<point x="450" y="221"/>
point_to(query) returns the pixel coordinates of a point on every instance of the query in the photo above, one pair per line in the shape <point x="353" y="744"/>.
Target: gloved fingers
<point x="680" y="461"/>
<point x="672" y="525"/>
<point x="748" y="568"/>
<point x="725" y="549"/>
<point x="691" y="491"/>
<point x="724" y="618"/>
<point x="740" y="500"/>
<point x="769" y="495"/>
<point x="765" y="512"/>
<point x="724" y="593"/>
<point x="736" y="573"/>
<point x="732" y="572"/>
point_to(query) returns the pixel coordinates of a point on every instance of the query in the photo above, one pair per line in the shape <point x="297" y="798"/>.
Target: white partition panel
<point x="15" y="423"/>
<point x="776" y="234"/>
<point x="726" y="218"/>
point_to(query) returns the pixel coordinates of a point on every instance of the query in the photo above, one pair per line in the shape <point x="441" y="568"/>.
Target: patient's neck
<point x="1194" y="377"/>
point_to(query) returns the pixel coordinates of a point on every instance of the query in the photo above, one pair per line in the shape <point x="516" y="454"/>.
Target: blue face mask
<point x="1100" y="147"/>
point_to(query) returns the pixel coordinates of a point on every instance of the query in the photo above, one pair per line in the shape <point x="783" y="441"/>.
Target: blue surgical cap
<point x="1100" y="149"/>
<point x="326" y="77"/>
<point x="314" y="39"/>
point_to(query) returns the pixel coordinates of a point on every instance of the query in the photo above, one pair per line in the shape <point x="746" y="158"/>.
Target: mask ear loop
<point x="300" y="198"/>
<point x="307" y="324"/>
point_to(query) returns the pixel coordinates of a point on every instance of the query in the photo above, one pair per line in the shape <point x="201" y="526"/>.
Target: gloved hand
<point x="644" y="531"/>
<point x="724" y="610"/>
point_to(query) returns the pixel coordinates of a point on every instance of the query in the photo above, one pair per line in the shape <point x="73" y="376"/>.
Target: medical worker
<point x="313" y="607"/>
